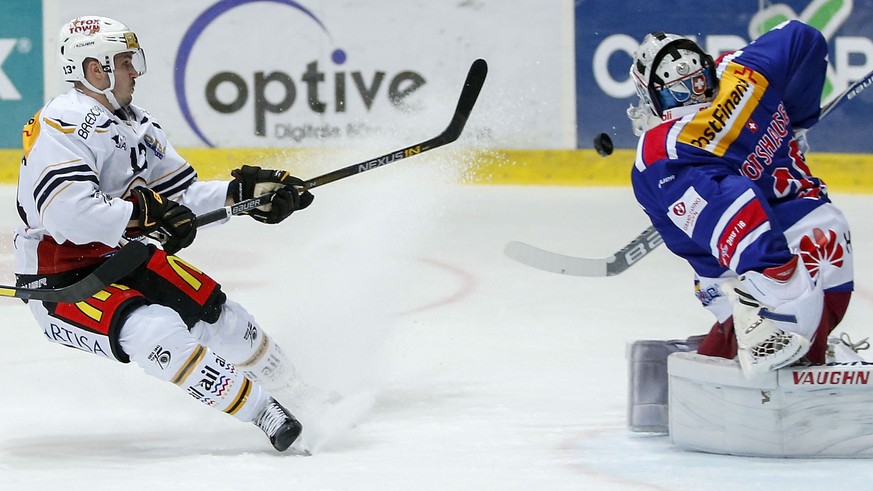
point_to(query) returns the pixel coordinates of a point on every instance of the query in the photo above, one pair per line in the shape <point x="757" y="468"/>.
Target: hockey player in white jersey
<point x="98" y="171"/>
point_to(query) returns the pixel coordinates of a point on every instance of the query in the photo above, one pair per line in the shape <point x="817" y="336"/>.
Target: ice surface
<point x="485" y="374"/>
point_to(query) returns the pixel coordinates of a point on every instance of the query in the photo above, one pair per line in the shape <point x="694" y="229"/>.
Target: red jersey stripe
<point x="654" y="144"/>
<point x="749" y="218"/>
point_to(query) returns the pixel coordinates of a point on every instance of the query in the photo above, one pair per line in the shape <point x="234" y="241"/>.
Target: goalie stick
<point x="469" y="94"/>
<point x="582" y="266"/>
<point x="120" y="264"/>
<point x="642" y="244"/>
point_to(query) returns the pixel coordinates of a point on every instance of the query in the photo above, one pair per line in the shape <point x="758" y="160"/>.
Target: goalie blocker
<point x="707" y="403"/>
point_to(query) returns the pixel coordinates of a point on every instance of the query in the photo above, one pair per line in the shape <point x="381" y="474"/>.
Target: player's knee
<point x="213" y="308"/>
<point x="155" y="338"/>
<point x="234" y="332"/>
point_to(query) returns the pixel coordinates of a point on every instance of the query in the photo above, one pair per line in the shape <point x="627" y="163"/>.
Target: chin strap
<point x="106" y="92"/>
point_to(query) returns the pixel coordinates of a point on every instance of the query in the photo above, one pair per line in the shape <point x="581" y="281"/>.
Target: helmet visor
<point x="136" y="60"/>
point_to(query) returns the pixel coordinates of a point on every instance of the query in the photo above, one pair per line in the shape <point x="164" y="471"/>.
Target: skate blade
<point x="299" y="448"/>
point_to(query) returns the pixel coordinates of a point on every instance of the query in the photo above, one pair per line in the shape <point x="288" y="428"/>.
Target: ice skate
<point x="280" y="426"/>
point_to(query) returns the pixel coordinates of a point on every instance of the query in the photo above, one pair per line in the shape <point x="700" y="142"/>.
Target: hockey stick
<point x="642" y="244"/>
<point x="469" y="94"/>
<point x="847" y="95"/>
<point x="582" y="266"/>
<point x="120" y="264"/>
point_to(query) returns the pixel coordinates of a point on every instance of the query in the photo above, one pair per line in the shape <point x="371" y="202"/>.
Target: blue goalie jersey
<point x="723" y="184"/>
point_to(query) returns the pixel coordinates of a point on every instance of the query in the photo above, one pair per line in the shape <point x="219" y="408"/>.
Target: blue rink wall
<point x="606" y="39"/>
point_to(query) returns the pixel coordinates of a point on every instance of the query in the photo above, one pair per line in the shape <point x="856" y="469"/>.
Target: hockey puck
<point x="603" y="144"/>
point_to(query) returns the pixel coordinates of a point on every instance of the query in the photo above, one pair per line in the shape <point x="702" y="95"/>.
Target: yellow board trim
<point x="843" y="172"/>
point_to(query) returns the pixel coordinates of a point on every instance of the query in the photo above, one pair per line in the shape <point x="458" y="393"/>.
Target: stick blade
<point x="557" y="263"/>
<point x="469" y="94"/>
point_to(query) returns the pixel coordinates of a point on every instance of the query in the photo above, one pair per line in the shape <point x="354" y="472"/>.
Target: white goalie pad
<point x="647" y="382"/>
<point x="820" y="411"/>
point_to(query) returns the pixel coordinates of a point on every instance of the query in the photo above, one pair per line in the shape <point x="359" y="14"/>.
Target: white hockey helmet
<point x="98" y="38"/>
<point x="671" y="71"/>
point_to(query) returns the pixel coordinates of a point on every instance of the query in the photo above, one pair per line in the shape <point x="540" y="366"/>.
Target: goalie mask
<point x="671" y="71"/>
<point x="97" y="38"/>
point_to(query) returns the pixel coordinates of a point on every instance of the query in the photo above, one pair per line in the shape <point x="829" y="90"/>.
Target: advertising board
<point x="605" y="42"/>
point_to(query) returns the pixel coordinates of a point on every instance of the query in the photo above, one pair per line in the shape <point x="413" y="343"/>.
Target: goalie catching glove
<point x="251" y="181"/>
<point x="776" y="315"/>
<point x="155" y="213"/>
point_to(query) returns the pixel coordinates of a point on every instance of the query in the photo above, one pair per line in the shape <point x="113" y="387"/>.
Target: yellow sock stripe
<point x="241" y="398"/>
<point x="258" y="354"/>
<point x="190" y="363"/>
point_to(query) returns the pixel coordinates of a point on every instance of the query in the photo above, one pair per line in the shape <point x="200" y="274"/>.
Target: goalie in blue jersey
<point x="723" y="177"/>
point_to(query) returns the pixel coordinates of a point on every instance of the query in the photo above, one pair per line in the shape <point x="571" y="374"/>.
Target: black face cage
<point x="670" y="49"/>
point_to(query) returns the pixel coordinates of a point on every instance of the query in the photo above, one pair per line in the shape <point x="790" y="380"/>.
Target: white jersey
<point x="80" y="161"/>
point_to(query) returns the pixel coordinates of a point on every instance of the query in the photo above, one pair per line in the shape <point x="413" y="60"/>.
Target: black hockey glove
<point x="251" y="181"/>
<point x="154" y="213"/>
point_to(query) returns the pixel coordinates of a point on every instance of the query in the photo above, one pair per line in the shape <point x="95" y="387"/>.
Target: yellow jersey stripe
<point x="54" y="124"/>
<point x="716" y="128"/>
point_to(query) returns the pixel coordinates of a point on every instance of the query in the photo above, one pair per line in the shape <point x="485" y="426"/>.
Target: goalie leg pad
<point x="820" y="411"/>
<point x="647" y="382"/>
<point x="835" y="306"/>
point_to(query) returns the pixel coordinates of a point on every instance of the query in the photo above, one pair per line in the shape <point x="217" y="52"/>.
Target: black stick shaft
<point x="119" y="265"/>
<point x="469" y="94"/>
